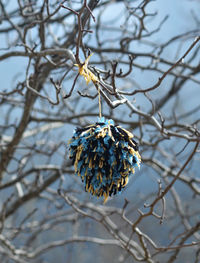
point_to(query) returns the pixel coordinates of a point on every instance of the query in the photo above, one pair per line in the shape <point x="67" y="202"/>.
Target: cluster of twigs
<point x="140" y="88"/>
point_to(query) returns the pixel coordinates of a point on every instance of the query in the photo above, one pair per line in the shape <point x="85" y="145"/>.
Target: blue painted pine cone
<point x="104" y="156"/>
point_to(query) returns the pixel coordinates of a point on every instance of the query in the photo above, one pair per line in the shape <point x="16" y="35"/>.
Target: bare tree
<point x="148" y="80"/>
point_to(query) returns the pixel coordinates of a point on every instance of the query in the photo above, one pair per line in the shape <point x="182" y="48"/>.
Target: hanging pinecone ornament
<point x="104" y="156"/>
